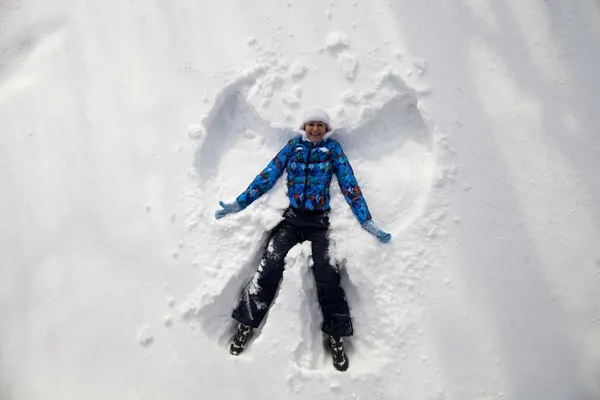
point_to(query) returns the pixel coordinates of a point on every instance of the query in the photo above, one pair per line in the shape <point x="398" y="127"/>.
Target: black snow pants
<point x="259" y="293"/>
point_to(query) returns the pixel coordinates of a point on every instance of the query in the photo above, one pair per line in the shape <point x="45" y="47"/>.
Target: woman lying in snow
<point x="310" y="160"/>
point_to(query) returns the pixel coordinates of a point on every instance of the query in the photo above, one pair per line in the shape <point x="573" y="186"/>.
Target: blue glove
<point x="372" y="227"/>
<point x="228" y="208"/>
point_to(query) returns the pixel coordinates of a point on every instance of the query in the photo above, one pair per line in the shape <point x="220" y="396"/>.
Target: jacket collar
<point x="305" y="138"/>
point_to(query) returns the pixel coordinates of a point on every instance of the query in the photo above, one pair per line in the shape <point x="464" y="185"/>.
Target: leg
<point x="336" y="313"/>
<point x="259" y="293"/>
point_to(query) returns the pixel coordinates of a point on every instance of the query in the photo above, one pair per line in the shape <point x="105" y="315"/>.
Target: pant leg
<point x="257" y="296"/>
<point x="332" y="299"/>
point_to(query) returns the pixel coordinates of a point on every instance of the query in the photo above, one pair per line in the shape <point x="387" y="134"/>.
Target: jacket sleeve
<point x="349" y="185"/>
<point x="267" y="178"/>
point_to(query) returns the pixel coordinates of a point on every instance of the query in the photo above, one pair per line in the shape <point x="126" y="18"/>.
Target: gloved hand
<point x="371" y="227"/>
<point x="228" y="208"/>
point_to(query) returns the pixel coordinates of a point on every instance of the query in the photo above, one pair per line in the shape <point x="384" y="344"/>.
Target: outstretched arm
<point x="261" y="184"/>
<point x="267" y="178"/>
<point x="349" y="185"/>
<point x="353" y="194"/>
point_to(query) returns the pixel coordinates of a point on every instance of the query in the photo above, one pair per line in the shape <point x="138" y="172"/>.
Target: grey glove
<point x="371" y="227"/>
<point x="228" y="208"/>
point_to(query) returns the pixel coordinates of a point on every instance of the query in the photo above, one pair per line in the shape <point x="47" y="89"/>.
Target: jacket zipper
<point x="306" y="179"/>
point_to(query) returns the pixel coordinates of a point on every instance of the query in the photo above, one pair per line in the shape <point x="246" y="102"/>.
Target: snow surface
<point x="471" y="127"/>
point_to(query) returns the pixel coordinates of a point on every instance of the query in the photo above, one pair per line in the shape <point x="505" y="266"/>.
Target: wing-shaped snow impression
<point x="392" y="151"/>
<point x="232" y="119"/>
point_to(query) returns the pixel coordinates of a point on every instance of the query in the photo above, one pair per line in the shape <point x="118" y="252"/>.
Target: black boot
<point x="244" y="333"/>
<point x="340" y="360"/>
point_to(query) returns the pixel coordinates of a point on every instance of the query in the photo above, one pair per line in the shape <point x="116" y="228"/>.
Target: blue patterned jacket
<point x="310" y="167"/>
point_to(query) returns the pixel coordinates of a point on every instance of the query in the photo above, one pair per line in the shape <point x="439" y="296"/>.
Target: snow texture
<point x="336" y="41"/>
<point x="348" y="63"/>
<point x="145" y="336"/>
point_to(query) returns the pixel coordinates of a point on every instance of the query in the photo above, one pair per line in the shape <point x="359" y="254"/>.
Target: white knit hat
<point x="315" y="114"/>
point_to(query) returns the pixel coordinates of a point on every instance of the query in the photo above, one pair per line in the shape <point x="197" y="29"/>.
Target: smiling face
<point x="315" y="130"/>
